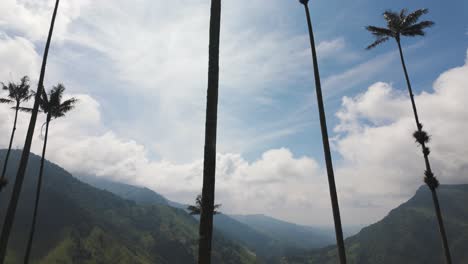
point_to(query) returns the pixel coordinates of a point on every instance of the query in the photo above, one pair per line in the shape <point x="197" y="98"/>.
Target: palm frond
<point x="393" y="20"/>
<point x="18" y="92"/>
<point x="68" y="104"/>
<point x="25" y="81"/>
<point x="24" y="109"/>
<point x="417" y="29"/>
<point x="28" y="97"/>
<point x="424" y="24"/>
<point x="55" y="96"/>
<point x="413" y="32"/>
<point x="5" y="101"/>
<point x="52" y="104"/>
<point x="377" y="42"/>
<point x="60" y="110"/>
<point x="215" y="211"/>
<point x="413" y="17"/>
<point x="196" y="209"/>
<point x="193" y="210"/>
<point x="379" y="32"/>
<point x="403" y="13"/>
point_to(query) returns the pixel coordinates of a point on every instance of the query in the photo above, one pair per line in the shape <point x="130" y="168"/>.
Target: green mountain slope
<point x="408" y="234"/>
<point x="297" y="236"/>
<point x="266" y="236"/>
<point x="82" y="224"/>
<point x="140" y="195"/>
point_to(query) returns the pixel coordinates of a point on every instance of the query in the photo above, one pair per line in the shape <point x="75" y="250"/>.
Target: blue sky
<point x="139" y="69"/>
<point x="427" y="57"/>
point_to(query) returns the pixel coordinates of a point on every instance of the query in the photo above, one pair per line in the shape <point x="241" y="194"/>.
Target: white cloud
<point x="160" y="55"/>
<point x="18" y="58"/>
<point x="278" y="182"/>
<point x="157" y="51"/>
<point x="337" y="83"/>
<point x="31" y="18"/>
<point x="335" y="49"/>
<point x="382" y="162"/>
<point x="327" y="48"/>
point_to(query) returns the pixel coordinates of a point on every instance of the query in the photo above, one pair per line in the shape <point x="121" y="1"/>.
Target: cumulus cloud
<point x="21" y="58"/>
<point x="382" y="163"/>
<point x="158" y="58"/>
<point x="82" y="145"/>
<point x="156" y="51"/>
<point x="31" y="18"/>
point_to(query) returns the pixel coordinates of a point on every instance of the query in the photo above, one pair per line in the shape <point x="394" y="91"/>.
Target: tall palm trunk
<point x="209" y="166"/>
<point x="3" y="178"/>
<point x="430" y="179"/>
<point x="38" y="195"/>
<point x="10" y="214"/>
<point x="326" y="145"/>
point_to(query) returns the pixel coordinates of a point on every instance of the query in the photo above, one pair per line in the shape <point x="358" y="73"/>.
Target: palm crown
<point x="52" y="104"/>
<point x="196" y="209"/>
<point x="17" y="93"/>
<point x="400" y="24"/>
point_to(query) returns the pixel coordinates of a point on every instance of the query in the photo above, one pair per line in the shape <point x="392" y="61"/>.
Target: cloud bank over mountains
<point x="381" y="164"/>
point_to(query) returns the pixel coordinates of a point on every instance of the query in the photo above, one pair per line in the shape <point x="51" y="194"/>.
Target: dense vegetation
<point x="407" y="234"/>
<point x="267" y="237"/>
<point x="81" y="224"/>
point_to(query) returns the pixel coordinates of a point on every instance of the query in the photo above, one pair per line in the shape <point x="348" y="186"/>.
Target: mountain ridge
<point x="78" y="223"/>
<point x="408" y="234"/>
<point x="266" y="243"/>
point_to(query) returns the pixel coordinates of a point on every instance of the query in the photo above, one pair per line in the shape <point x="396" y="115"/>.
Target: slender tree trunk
<point x="209" y="166"/>
<point x="430" y="180"/>
<point x="10" y="214"/>
<point x="326" y="145"/>
<point x="408" y="83"/>
<point x="5" y="164"/>
<point x="38" y="195"/>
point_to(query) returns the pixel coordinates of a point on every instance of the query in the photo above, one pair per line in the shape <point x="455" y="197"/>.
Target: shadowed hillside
<point x="81" y="224"/>
<point x="408" y="234"/>
<point x="266" y="236"/>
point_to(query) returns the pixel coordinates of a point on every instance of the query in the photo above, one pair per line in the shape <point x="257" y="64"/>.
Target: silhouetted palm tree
<point x="209" y="166"/>
<point x="403" y="24"/>
<point x="17" y="93"/>
<point x="197" y="208"/>
<point x="54" y="108"/>
<point x="326" y="144"/>
<point x="10" y="213"/>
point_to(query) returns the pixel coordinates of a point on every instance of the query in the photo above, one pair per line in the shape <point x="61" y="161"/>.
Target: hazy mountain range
<point x="266" y="236"/>
<point x="408" y="234"/>
<point x="91" y="220"/>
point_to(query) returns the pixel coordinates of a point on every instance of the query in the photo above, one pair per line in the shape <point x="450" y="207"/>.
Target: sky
<point x="139" y="70"/>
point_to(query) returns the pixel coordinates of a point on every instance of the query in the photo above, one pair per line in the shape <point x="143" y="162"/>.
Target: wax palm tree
<point x="54" y="108"/>
<point x="17" y="93"/>
<point x="209" y="166"/>
<point x="326" y="143"/>
<point x="403" y="24"/>
<point x="197" y="208"/>
<point x="11" y="210"/>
